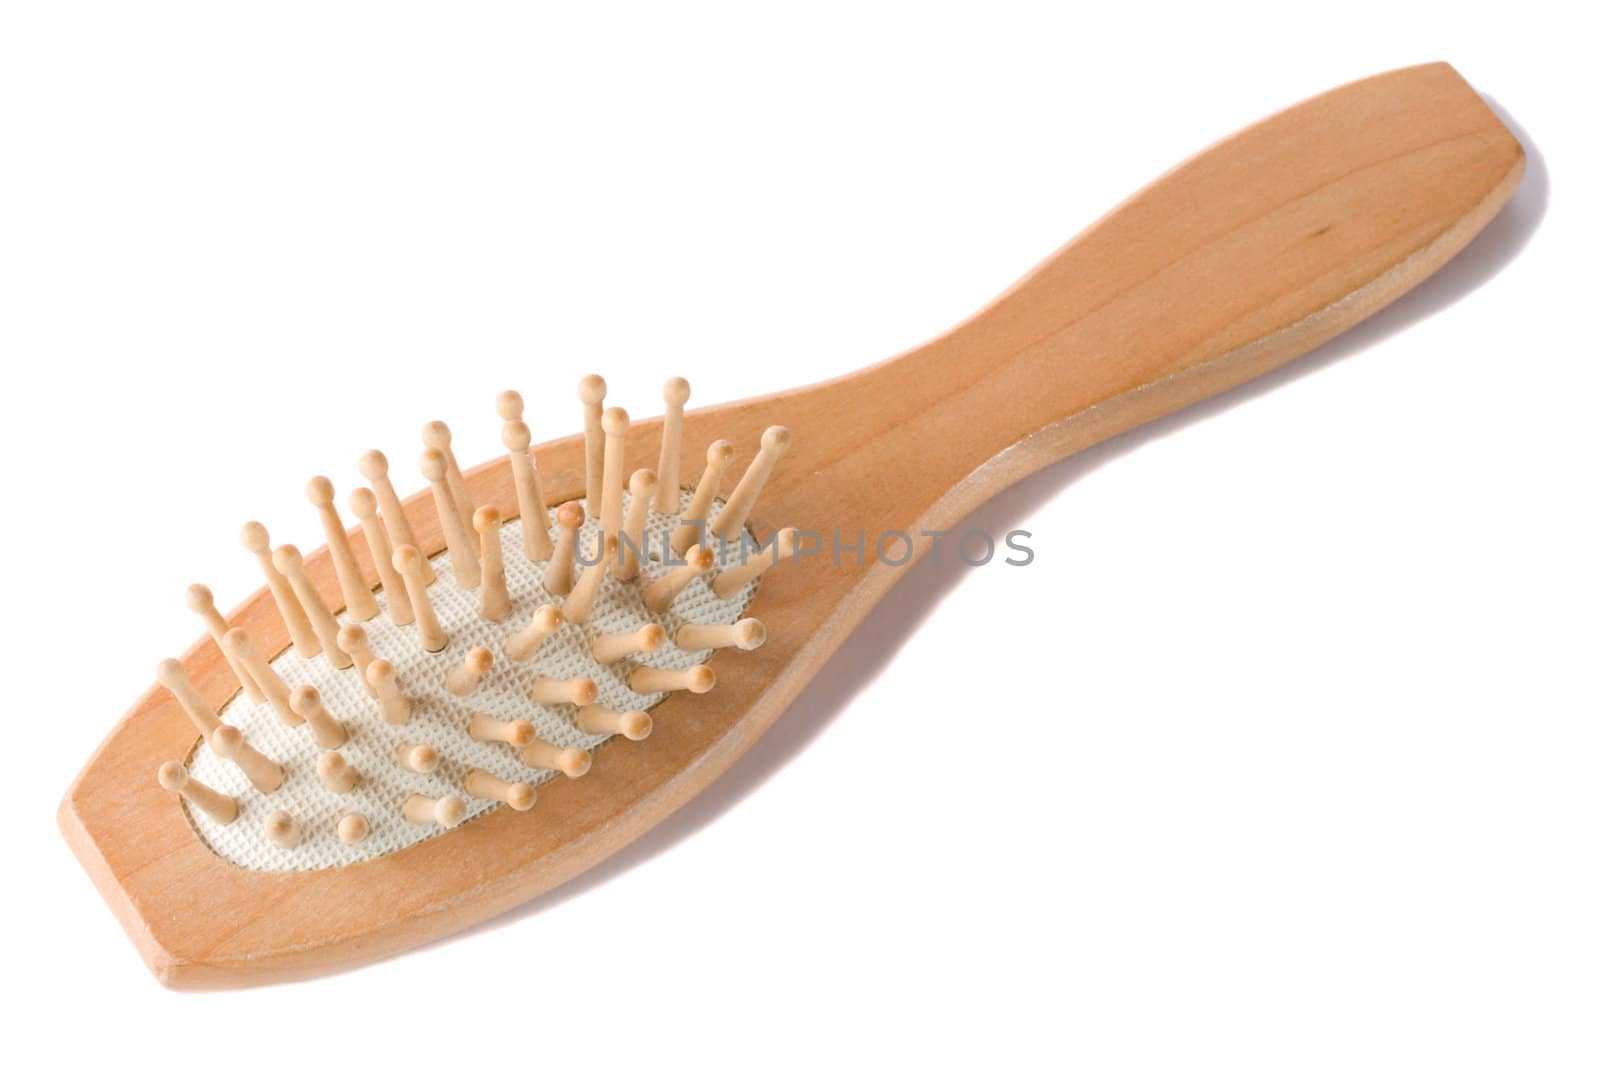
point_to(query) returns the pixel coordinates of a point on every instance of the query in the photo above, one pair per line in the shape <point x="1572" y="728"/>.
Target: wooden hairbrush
<point x="458" y="747"/>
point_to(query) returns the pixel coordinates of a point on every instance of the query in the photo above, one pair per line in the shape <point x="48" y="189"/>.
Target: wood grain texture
<point x="1248" y="255"/>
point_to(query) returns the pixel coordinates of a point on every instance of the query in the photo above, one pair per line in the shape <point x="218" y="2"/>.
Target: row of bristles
<point x="477" y="562"/>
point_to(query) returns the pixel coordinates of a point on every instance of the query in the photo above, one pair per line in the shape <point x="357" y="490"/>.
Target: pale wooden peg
<point x="719" y="454"/>
<point x="217" y="807"/>
<point x="359" y="602"/>
<point x="282" y="830"/>
<point x="375" y="469"/>
<point x="531" y="509"/>
<point x="579" y="603"/>
<point x="262" y="772"/>
<point x="271" y="683"/>
<point x="353" y="828"/>
<point x="485" y="785"/>
<point x="256" y="540"/>
<point x="730" y="580"/>
<point x="659" y="593"/>
<point x="641" y="488"/>
<point x="729" y="522"/>
<point x="598" y="720"/>
<point x="592" y="391"/>
<point x="446" y="811"/>
<point x="170" y="674"/>
<point x="386" y="688"/>
<point x="417" y="757"/>
<point x="453" y="519"/>
<point x="577" y="691"/>
<point x="524" y="643"/>
<point x="558" y="575"/>
<point x="609" y="648"/>
<point x="365" y="506"/>
<point x="327" y="731"/>
<point x="494" y="602"/>
<point x="669" y="495"/>
<point x="409" y="564"/>
<point x="335" y="773"/>
<point x="489" y="729"/>
<point x="508" y="405"/>
<point x="573" y="761"/>
<point x="615" y="424"/>
<point x="199" y="600"/>
<point x="745" y="635"/>
<point x="353" y="640"/>
<point x="466" y="676"/>
<point x="655" y="680"/>
<point x="436" y="435"/>
<point x="290" y="563"/>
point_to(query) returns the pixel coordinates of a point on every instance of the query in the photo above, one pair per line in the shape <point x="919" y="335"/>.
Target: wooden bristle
<point x="359" y="602"/>
<point x="436" y="435"/>
<point x="256" y="540"/>
<point x="365" y="507"/>
<point x="386" y="688"/>
<point x="572" y="761"/>
<point x="654" y="680"/>
<point x="409" y="564"/>
<point x="335" y="773"/>
<point x="198" y="598"/>
<point x="669" y="494"/>
<point x="327" y="731"/>
<point x="577" y="691"/>
<point x="592" y="391"/>
<point x="170" y="674"/>
<point x="521" y="645"/>
<point x="375" y="469"/>
<point x="485" y="785"/>
<point x="719" y="454"/>
<point x="579" y="603"/>
<point x="508" y="405"/>
<point x="729" y="522"/>
<point x="488" y="729"/>
<point x="465" y="677"/>
<point x="633" y="544"/>
<point x="659" y="593"/>
<point x="615" y="424"/>
<point x="290" y="563"/>
<point x="494" y="601"/>
<point x="282" y="829"/>
<point x="353" y="828"/>
<point x="446" y="811"/>
<point x="730" y="580"/>
<point x="746" y="634"/>
<point x="598" y="720"/>
<point x="609" y="648"/>
<point x="417" y="757"/>
<point x="458" y="535"/>
<point x="271" y="683"/>
<point x="531" y="510"/>
<point x="558" y="575"/>
<point x="264" y="774"/>
<point x="216" y="806"/>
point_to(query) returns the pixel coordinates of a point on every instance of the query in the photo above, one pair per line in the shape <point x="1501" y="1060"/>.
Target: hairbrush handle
<point x="1253" y="252"/>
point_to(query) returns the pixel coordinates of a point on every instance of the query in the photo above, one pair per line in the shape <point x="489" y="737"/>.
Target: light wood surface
<point x="283" y="830"/>
<point x="465" y="677"/>
<point x="291" y="563"/>
<point x="579" y="603"/>
<point x="574" y="762"/>
<point x="609" y="648"/>
<point x="521" y="645"/>
<point x="659" y="593"/>
<point x="655" y="680"/>
<point x="780" y="548"/>
<point x="1257" y="250"/>
<point x="354" y="644"/>
<point x="598" y="720"/>
<point x="328" y="732"/>
<point x="381" y="680"/>
<point x="633" y="544"/>
<point x="170" y="674"/>
<point x="243" y="648"/>
<point x="488" y="729"/>
<point x="729" y="521"/>
<point x="264" y="774"/>
<point x="615" y="423"/>
<point x="558" y="575"/>
<point x="417" y="757"/>
<point x="485" y="785"/>
<point x="336" y="774"/>
<point x="411" y="566"/>
<point x="579" y="690"/>
<point x="592" y="394"/>
<point x="436" y="436"/>
<point x="446" y="811"/>
<point x="458" y="533"/>
<point x="745" y="635"/>
<point x="213" y="804"/>
<point x="353" y="828"/>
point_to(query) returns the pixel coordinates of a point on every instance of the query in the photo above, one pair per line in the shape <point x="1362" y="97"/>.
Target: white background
<point x="1279" y="764"/>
